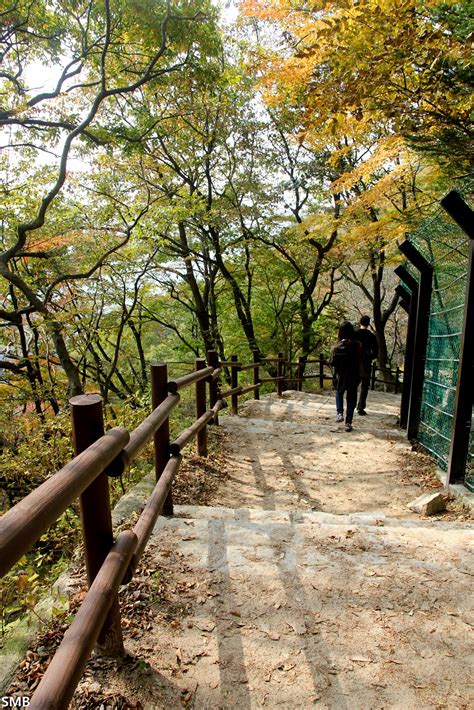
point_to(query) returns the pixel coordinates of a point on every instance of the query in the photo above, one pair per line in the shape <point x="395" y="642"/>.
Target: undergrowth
<point x="37" y="449"/>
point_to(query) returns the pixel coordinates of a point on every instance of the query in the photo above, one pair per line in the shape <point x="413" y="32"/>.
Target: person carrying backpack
<point x="370" y="351"/>
<point x="346" y="362"/>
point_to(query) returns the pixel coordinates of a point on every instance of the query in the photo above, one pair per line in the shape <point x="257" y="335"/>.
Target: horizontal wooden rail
<point x="24" y="524"/>
<point x="250" y="388"/>
<point x="250" y="366"/>
<point x="146" y="522"/>
<point x="313" y="362"/>
<point x="220" y="404"/>
<point x="229" y="393"/>
<point x="230" y="363"/>
<point x="312" y="375"/>
<point x="271" y="379"/>
<point x="140" y="436"/>
<point x="214" y="375"/>
<point x="188" y="434"/>
<point x="62" y="676"/>
<point x="189" y="379"/>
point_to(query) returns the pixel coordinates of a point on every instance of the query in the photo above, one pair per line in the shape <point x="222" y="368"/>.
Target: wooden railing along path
<point x="109" y="562"/>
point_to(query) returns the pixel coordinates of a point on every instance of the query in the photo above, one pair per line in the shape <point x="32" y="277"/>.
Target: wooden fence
<point x="293" y="377"/>
<point x="109" y="562"/>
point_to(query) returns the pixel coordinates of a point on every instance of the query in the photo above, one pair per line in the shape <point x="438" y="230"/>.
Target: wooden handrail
<point x="188" y="434"/>
<point x="24" y="524"/>
<point x="140" y="436"/>
<point x="250" y="388"/>
<point x="63" y="673"/>
<point x="229" y="393"/>
<point x="189" y="379"/>
<point x="250" y="366"/>
<point x="220" y="404"/>
<point x="146" y="522"/>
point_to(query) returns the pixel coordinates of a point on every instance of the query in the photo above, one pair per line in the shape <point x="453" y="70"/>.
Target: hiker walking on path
<point x="346" y="362"/>
<point x="369" y="352"/>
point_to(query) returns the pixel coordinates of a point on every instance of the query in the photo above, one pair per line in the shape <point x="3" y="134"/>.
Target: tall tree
<point x="100" y="53"/>
<point x="350" y="63"/>
<point x="360" y="74"/>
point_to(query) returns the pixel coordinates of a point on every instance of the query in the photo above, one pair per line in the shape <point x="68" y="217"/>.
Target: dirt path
<point x="253" y="609"/>
<point x="304" y="460"/>
<point x="307" y="584"/>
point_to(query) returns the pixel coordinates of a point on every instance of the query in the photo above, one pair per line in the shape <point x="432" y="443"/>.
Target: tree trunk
<point x="71" y="370"/>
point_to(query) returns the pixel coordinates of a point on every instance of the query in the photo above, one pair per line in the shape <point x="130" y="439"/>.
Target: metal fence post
<point x="87" y="427"/>
<point x="421" y="335"/>
<point x="412" y="284"/>
<point x="161" y="439"/>
<point x="234" y="382"/>
<point x="200" y="364"/>
<point x="458" y="454"/>
<point x="256" y="376"/>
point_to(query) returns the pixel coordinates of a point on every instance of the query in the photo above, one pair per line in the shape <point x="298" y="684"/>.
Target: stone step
<point x="296" y="610"/>
<point x="261" y="516"/>
<point x="260" y="542"/>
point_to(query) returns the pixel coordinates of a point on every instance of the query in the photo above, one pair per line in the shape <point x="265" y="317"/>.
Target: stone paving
<point x="293" y="606"/>
<point x="307" y="609"/>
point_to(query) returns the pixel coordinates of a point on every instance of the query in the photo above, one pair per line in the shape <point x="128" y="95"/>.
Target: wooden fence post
<point x="256" y="376"/>
<point x="159" y="392"/>
<point x="200" y="364"/>
<point x="87" y="427"/>
<point x="213" y="361"/>
<point x="234" y="382"/>
<point x="321" y="371"/>
<point x="397" y="380"/>
<point x="299" y="374"/>
<point x="373" y="376"/>
<point x="280" y="373"/>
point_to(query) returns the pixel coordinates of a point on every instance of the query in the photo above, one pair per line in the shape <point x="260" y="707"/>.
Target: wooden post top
<point x="82" y="400"/>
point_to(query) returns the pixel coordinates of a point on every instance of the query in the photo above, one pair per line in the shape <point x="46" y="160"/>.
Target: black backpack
<point x="343" y="357"/>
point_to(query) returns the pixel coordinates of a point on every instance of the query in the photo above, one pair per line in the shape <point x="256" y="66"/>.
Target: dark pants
<point x="364" y="391"/>
<point x="351" y="399"/>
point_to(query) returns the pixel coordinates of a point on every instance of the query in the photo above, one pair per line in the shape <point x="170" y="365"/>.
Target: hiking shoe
<point x="340" y="418"/>
<point x="361" y="412"/>
<point x="348" y="427"/>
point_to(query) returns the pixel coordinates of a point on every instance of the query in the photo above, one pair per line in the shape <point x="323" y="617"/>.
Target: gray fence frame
<point x="418" y="302"/>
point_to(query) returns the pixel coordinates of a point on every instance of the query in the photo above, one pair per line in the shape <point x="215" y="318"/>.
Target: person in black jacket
<point x="369" y="352"/>
<point x="345" y="360"/>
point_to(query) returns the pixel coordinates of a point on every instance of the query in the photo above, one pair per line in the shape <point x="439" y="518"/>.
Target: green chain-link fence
<point x="446" y="247"/>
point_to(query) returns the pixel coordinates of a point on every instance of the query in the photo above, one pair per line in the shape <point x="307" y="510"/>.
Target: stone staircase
<point x="284" y="605"/>
<point x="302" y="609"/>
<point x="272" y="602"/>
